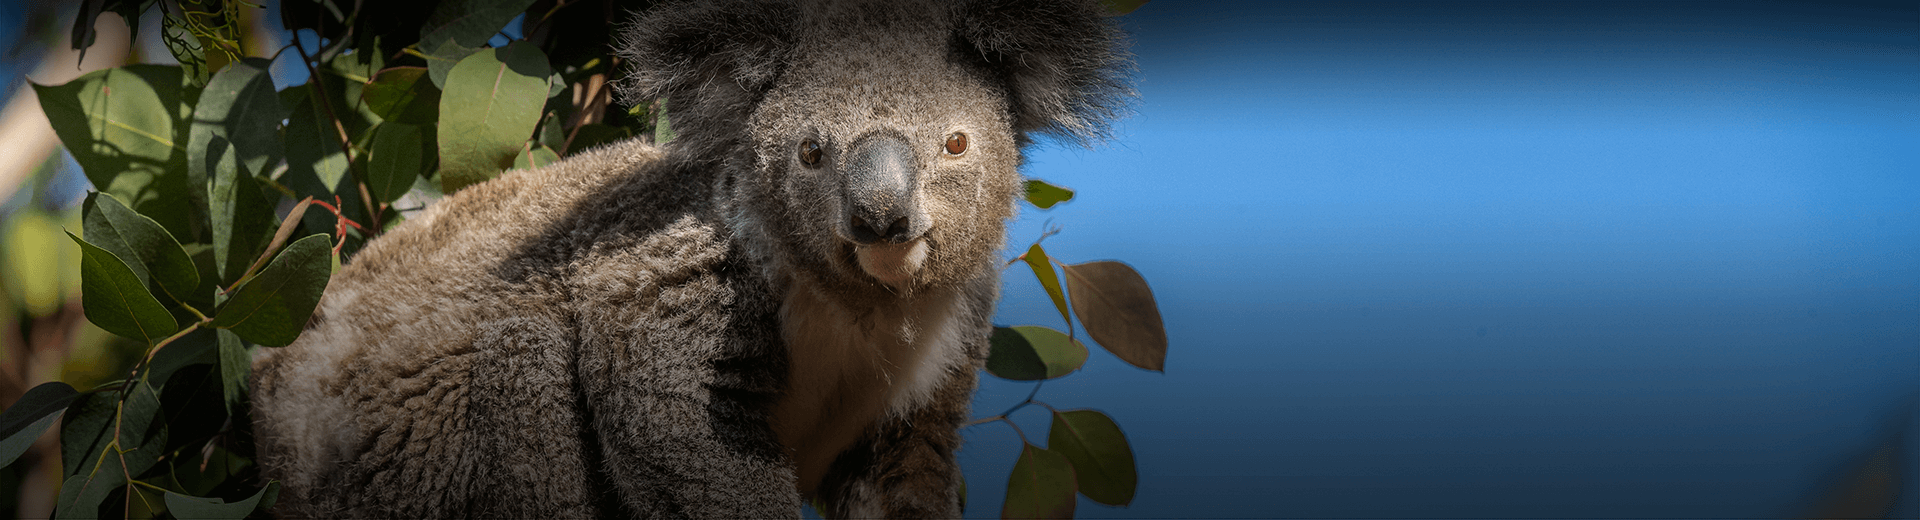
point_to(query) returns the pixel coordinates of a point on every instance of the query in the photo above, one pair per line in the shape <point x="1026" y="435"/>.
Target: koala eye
<point x="810" y="152"/>
<point x="956" y="143"/>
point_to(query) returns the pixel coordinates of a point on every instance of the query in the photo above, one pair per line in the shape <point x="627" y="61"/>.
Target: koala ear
<point x="691" y="52"/>
<point x="1064" y="63"/>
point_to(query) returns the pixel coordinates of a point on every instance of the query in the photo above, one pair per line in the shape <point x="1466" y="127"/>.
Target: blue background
<point x="1446" y="259"/>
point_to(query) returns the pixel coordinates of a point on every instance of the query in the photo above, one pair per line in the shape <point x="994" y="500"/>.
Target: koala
<point x="789" y="302"/>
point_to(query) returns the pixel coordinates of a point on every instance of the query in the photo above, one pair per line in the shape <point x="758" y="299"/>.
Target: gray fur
<point x="689" y="330"/>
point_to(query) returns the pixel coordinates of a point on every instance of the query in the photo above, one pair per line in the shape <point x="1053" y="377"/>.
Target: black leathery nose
<point x="881" y="202"/>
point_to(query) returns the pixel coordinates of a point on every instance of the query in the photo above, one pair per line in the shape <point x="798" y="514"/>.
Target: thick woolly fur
<point x="691" y="330"/>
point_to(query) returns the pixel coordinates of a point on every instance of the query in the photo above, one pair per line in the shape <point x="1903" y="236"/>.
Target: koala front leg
<point x="904" y="467"/>
<point x="679" y="438"/>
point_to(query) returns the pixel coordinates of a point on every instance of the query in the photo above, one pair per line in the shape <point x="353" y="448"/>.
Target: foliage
<point x="203" y="242"/>
<point x="1086" y="451"/>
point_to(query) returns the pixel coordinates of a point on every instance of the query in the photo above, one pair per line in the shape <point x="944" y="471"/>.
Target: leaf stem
<point x="1016" y="431"/>
<point x="346" y="141"/>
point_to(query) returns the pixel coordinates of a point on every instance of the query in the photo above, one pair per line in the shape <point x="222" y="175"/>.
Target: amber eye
<point x="956" y="143"/>
<point x="810" y="152"/>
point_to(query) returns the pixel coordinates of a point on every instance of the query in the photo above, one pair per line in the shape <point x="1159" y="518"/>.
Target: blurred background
<point x="1415" y="259"/>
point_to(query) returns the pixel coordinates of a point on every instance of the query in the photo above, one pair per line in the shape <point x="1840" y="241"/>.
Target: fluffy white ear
<point x="1064" y="63"/>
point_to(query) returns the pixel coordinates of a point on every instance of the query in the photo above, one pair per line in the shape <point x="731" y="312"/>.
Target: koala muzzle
<point x="883" y="203"/>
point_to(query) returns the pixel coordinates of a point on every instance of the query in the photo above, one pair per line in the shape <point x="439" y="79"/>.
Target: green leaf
<point x="235" y="136"/>
<point x="315" y="162"/>
<point x="1041" y="486"/>
<point x="404" y="95"/>
<point x="137" y="413"/>
<point x="1043" y="270"/>
<point x="93" y="442"/>
<point x="127" y="127"/>
<point x="1044" y="195"/>
<point x="1102" y="460"/>
<point x="469" y="23"/>
<point x="1121" y="7"/>
<point x="243" y="222"/>
<point x="194" y="348"/>
<point x="186" y="49"/>
<point x="595" y="134"/>
<point x="196" y="508"/>
<point x="116" y="121"/>
<point x="1117" y="309"/>
<point x="240" y="106"/>
<point x="30" y="416"/>
<point x="86" y="430"/>
<point x="440" y="61"/>
<point x="146" y="248"/>
<point x="116" y="300"/>
<point x="81" y="495"/>
<point x="272" y="308"/>
<point x="490" y="107"/>
<point x="394" y="160"/>
<point x="234" y="367"/>
<point x="536" y="156"/>
<point x="662" y="128"/>
<point x="1028" y="353"/>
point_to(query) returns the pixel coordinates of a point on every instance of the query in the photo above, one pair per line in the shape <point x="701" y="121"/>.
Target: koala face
<point x="873" y="146"/>
<point x="881" y="158"/>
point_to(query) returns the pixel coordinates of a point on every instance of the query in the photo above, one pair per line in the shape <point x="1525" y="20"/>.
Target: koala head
<point x="874" y="146"/>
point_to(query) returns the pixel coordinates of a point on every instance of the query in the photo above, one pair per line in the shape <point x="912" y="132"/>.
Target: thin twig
<point x="346" y="141"/>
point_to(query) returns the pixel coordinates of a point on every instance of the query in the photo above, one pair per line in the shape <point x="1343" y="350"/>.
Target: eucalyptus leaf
<point x="30" y="416"/>
<point x="394" y="160"/>
<point x="272" y="307"/>
<point x="1121" y="7"/>
<point x="1030" y="353"/>
<point x="490" y="106"/>
<point x="197" y="347"/>
<point x="441" y="59"/>
<point x="1043" y="270"/>
<point x="316" y="164"/>
<point x="1102" y="461"/>
<point x="196" y="508"/>
<point x="469" y="23"/>
<point x="127" y="128"/>
<point x="114" y="299"/>
<point x="243" y="222"/>
<point x="117" y="121"/>
<point x="536" y="155"/>
<point x="239" y="105"/>
<point x="1044" y="195"/>
<point x="591" y="135"/>
<point x="1041" y="486"/>
<point x="81" y="495"/>
<point x="662" y="127"/>
<point x="403" y="95"/>
<point x="146" y="247"/>
<point x="1117" y="309"/>
<point x="86" y="430"/>
<point x="235" y="364"/>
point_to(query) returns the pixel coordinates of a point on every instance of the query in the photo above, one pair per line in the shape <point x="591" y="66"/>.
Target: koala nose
<point x="881" y="193"/>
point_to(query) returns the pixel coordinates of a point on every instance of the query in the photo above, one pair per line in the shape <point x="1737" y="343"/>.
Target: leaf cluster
<point x="1086" y="452"/>
<point x="200" y="243"/>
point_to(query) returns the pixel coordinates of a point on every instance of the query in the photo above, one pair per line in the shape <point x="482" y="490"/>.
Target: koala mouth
<point x="892" y="264"/>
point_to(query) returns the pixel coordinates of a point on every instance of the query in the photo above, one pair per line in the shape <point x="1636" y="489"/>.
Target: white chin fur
<point x="893" y="264"/>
